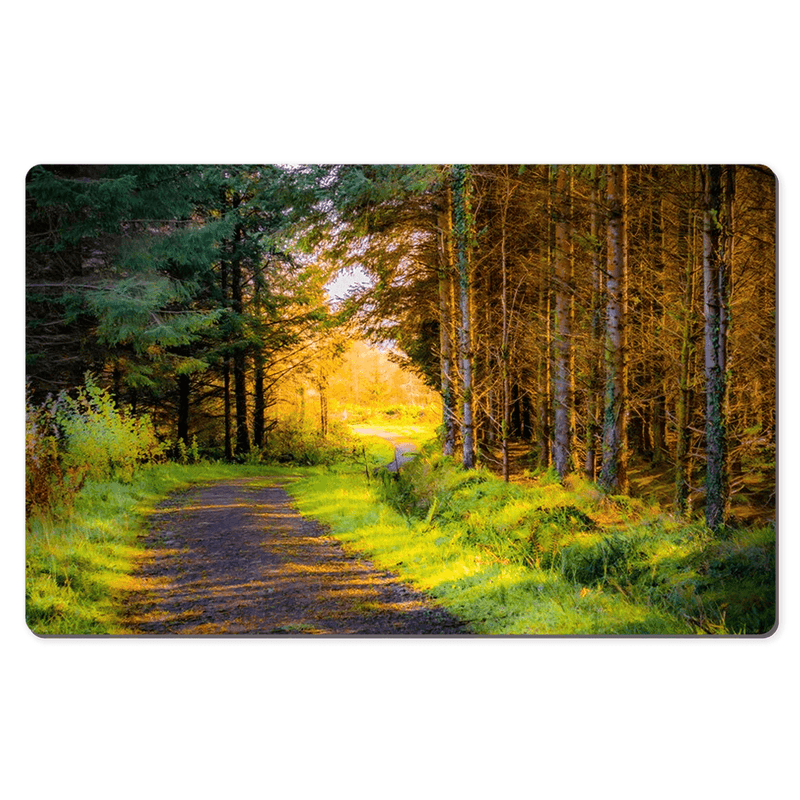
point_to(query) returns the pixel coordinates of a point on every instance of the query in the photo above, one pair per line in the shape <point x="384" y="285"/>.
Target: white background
<point x="570" y="82"/>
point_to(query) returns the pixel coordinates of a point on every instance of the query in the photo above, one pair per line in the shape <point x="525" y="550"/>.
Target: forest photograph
<point x="463" y="400"/>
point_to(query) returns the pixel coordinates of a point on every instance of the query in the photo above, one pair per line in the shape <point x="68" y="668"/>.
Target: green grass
<point x="536" y="559"/>
<point x="81" y="561"/>
<point x="77" y="566"/>
<point x="548" y="559"/>
<point x="494" y="597"/>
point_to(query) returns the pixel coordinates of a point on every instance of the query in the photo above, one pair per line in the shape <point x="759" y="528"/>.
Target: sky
<point x="342" y="286"/>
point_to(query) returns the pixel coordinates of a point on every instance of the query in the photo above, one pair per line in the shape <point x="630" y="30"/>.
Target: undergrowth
<point x="543" y="558"/>
<point x="598" y="545"/>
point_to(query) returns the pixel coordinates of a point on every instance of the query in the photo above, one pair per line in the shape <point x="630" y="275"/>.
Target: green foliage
<point x="598" y="544"/>
<point x="187" y="455"/>
<point x="47" y="485"/>
<point x="100" y="441"/>
<point x="295" y="441"/>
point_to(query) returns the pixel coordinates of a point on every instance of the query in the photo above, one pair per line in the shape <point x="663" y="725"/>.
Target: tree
<point x="717" y="243"/>
<point x="562" y="345"/>
<point x="462" y="226"/>
<point x="613" y="476"/>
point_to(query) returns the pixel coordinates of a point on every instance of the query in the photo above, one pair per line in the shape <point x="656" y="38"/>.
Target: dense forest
<point x="612" y="321"/>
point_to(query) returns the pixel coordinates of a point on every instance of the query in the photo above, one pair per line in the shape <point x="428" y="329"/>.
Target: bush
<point x="69" y="440"/>
<point x="46" y="484"/>
<point x="293" y="441"/>
<point x="100" y="440"/>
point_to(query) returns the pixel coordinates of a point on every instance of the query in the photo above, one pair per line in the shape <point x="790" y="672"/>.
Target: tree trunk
<point x="504" y="346"/>
<point x="183" y="409"/>
<point x="322" y="386"/>
<point x="543" y="368"/>
<point x="562" y="344"/>
<point x="239" y="354"/>
<point x="595" y="380"/>
<point x="445" y="324"/>
<point x="461" y="219"/>
<point x="715" y="308"/>
<point x="259" y="405"/>
<point x="226" y="366"/>
<point x="683" y="409"/>
<point x="613" y="476"/>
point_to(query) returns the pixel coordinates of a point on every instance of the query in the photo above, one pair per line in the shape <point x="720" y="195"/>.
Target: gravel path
<point x="237" y="558"/>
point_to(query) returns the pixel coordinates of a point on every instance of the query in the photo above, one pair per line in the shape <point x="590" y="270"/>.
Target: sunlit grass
<point x="78" y="564"/>
<point x="493" y="597"/>
<point x="542" y="558"/>
<point x="549" y="559"/>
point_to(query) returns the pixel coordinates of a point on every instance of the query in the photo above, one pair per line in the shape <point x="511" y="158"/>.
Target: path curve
<point x="236" y="557"/>
<point x="403" y="450"/>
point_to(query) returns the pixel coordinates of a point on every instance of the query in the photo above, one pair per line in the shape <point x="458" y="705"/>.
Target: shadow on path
<point x="237" y="558"/>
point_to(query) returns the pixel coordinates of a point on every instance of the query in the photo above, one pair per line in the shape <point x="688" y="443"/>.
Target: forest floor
<point x="236" y="557"/>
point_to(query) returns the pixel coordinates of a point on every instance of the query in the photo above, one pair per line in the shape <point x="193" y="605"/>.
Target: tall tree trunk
<point x="259" y="404"/>
<point x="658" y="414"/>
<point x="462" y="225"/>
<point x="562" y="344"/>
<point x="683" y="409"/>
<point x="613" y="476"/>
<point x="504" y="345"/>
<point x="240" y="354"/>
<point x="715" y="308"/>
<point x="595" y="355"/>
<point x="445" y="276"/>
<point x="543" y="366"/>
<point x="183" y="408"/>
<point x="322" y="386"/>
<point x="226" y="364"/>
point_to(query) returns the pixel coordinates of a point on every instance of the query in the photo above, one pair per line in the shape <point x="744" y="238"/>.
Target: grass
<point x="547" y="558"/>
<point x="535" y="559"/>
<point x="78" y="565"/>
<point x="81" y="560"/>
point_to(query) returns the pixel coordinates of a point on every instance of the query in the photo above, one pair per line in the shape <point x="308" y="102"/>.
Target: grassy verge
<point x="77" y="564"/>
<point x="80" y="560"/>
<point x="546" y="559"/>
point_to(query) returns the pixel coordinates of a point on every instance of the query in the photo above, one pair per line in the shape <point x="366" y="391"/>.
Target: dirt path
<point x="237" y="558"/>
<point x="403" y="450"/>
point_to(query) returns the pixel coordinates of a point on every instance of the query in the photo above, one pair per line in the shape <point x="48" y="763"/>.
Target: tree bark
<point x="613" y="476"/>
<point x="445" y="324"/>
<point x="504" y="346"/>
<point x="461" y="218"/>
<point x="226" y="364"/>
<point x="183" y="408"/>
<point x="239" y="355"/>
<point x="594" y="391"/>
<point x="715" y="308"/>
<point x="684" y="403"/>
<point x="562" y="340"/>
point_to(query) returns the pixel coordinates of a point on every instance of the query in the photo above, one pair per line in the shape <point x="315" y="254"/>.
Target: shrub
<point x="293" y="441"/>
<point x="46" y="484"/>
<point x="100" y="440"/>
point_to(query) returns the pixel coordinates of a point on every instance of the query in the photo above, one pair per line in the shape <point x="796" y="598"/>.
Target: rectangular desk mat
<point x="401" y="400"/>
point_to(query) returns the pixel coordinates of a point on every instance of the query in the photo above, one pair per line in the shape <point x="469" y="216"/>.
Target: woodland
<point x="610" y="326"/>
